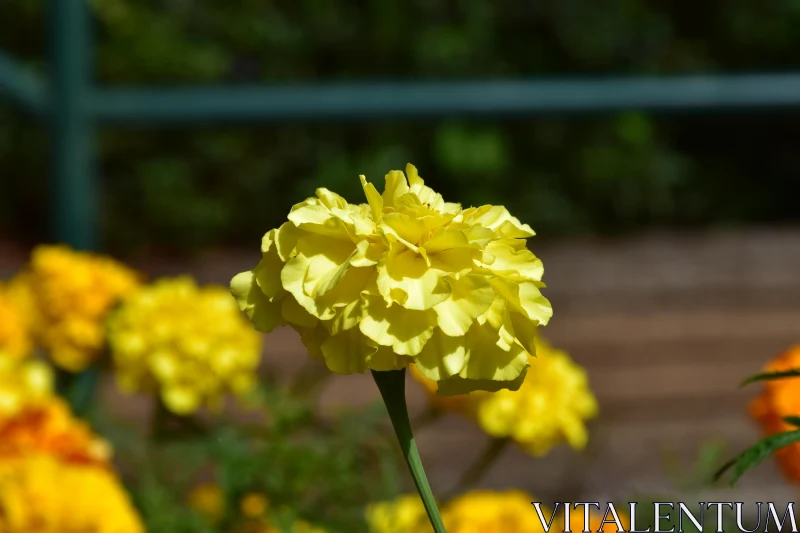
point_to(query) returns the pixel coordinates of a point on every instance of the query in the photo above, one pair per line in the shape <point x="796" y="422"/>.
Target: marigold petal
<point x="457" y="385"/>
<point x="405" y="330"/>
<point x="509" y="262"/>
<point x="180" y="400"/>
<point x="347" y="353"/>
<point x="420" y="287"/>
<point x="385" y="359"/>
<point x="470" y="297"/>
<point x="442" y="357"/>
<point x="526" y="298"/>
<point x="396" y="186"/>
<point x="373" y="198"/>
<point x="498" y="219"/>
<point x="264" y="314"/>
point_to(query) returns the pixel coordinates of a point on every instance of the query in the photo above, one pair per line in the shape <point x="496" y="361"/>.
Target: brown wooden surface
<point x="667" y="326"/>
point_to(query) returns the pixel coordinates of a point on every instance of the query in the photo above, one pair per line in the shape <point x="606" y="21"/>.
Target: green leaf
<point x="764" y="376"/>
<point x="793" y="420"/>
<point x="756" y="454"/>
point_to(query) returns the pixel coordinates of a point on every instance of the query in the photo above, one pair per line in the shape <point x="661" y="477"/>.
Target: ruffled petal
<point x="526" y="298"/>
<point x="514" y="264"/>
<point x="406" y="279"/>
<point x="347" y="352"/>
<point x="264" y="314"/>
<point x="405" y="330"/>
<point x="488" y="367"/>
<point x="471" y="296"/>
<point x="385" y="359"/>
<point x="442" y="357"/>
<point x="396" y="186"/>
<point x="373" y="198"/>
<point x="498" y="219"/>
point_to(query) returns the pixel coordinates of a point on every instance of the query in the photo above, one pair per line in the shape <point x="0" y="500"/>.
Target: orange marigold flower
<point x="781" y="398"/>
<point x="49" y="427"/>
<point x="40" y="494"/>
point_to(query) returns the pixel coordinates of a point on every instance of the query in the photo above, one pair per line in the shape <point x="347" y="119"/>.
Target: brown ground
<point x="667" y="325"/>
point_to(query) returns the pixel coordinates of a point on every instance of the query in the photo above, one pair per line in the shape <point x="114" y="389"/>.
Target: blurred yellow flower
<point x="254" y="505"/>
<point x="551" y="406"/>
<point x="49" y="427"/>
<point x="40" y="494"/>
<point x="207" y="499"/>
<point x="781" y="398"/>
<point x="406" y="277"/>
<point x="190" y="343"/>
<point x="403" y="515"/>
<point x="71" y="293"/>
<point x="15" y="341"/>
<point x="22" y="384"/>
<point x="484" y="511"/>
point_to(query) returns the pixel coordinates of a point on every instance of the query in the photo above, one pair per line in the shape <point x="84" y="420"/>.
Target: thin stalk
<point x="391" y="384"/>
<point x="481" y="465"/>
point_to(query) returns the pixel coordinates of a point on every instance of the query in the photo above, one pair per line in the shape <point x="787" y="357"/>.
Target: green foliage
<point x="322" y="472"/>
<point x="755" y="454"/>
<point x="766" y="376"/>
<point x="700" y="473"/>
<point x="186" y="187"/>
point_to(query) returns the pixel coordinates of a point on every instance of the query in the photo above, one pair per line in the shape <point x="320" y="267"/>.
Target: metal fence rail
<point x="75" y="106"/>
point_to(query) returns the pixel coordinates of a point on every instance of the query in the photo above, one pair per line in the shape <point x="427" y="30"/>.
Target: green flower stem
<point x="481" y="465"/>
<point x="392" y="385"/>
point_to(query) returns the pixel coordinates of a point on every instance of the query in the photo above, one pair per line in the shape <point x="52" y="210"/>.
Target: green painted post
<point x="74" y="189"/>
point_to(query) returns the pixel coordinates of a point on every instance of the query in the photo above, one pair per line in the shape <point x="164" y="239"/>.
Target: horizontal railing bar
<point x="379" y="100"/>
<point x="22" y="87"/>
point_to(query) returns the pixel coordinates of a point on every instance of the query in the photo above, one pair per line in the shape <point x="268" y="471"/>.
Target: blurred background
<point x="670" y="241"/>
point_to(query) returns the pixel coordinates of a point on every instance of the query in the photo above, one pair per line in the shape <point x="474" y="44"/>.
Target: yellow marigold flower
<point x="405" y="514"/>
<point x="406" y="277"/>
<point x="551" y="406"/>
<point x="40" y="494"/>
<point x="207" y="499"/>
<point x="781" y="398"/>
<point x="190" y="342"/>
<point x="72" y="292"/>
<point x="49" y="427"/>
<point x="484" y="511"/>
<point x="22" y="384"/>
<point x="14" y="325"/>
<point x="254" y="505"/>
